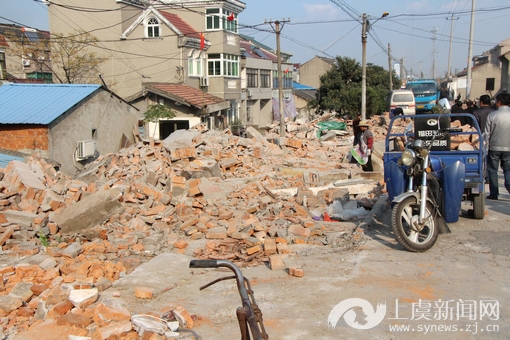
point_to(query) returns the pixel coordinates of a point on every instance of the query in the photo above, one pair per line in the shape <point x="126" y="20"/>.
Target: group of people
<point x="494" y="121"/>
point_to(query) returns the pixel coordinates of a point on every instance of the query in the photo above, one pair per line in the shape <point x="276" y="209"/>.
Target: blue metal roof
<point x="6" y="159"/>
<point x="40" y="103"/>
<point x="299" y="86"/>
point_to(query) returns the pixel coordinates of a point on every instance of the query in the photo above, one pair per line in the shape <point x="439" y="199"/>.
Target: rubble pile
<point x="248" y="197"/>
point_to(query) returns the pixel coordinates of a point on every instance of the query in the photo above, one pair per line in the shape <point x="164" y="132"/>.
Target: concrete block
<point x="90" y="211"/>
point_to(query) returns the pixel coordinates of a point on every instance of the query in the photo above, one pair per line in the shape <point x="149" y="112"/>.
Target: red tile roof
<point x="186" y="94"/>
<point x="180" y="24"/>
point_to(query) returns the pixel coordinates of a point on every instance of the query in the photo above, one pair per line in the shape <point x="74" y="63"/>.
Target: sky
<point x="330" y="28"/>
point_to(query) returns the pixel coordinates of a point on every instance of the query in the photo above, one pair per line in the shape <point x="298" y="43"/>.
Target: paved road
<point x="457" y="290"/>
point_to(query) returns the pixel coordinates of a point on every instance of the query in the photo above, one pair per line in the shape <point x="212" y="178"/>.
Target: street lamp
<point x="364" y="30"/>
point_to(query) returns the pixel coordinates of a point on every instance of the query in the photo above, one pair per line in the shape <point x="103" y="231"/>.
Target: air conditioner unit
<point x="85" y="149"/>
<point x="249" y="93"/>
<point x="26" y="62"/>
<point x="204" y="81"/>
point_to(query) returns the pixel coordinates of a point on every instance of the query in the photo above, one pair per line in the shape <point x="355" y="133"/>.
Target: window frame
<point x="196" y="64"/>
<point x="152" y="30"/>
<point x="217" y="19"/>
<point x="252" y="77"/>
<point x="265" y="78"/>
<point x="223" y="65"/>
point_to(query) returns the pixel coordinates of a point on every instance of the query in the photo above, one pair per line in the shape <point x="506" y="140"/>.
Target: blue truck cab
<point x="426" y="94"/>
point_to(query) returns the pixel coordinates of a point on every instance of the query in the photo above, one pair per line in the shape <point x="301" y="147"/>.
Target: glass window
<point x="3" y="74"/>
<point x="152" y="28"/>
<point x="213" y="18"/>
<point x="286" y="79"/>
<point x="221" y="19"/>
<point x="220" y="64"/>
<point x="195" y="64"/>
<point x="252" y="76"/>
<point x="265" y="78"/>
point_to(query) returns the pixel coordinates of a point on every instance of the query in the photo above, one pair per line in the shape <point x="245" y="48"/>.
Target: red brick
<point x="74" y="320"/>
<point x="143" y="292"/>
<point x="63" y="307"/>
<point x="180" y="244"/>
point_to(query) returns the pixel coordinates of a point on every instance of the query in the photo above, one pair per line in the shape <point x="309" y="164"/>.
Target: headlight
<point x="408" y="157"/>
<point x="424" y="152"/>
<point x="432" y="103"/>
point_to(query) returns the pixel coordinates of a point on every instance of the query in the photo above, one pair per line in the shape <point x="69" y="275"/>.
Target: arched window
<point x="195" y="64"/>
<point x="152" y="28"/>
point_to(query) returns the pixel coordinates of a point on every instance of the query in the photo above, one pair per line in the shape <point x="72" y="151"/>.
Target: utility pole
<point x="277" y="29"/>
<point x="434" y="30"/>
<point x="390" y="68"/>
<point x="365" y="26"/>
<point x="470" y="50"/>
<point x="364" y="68"/>
<point x="403" y="72"/>
<point x="452" y="19"/>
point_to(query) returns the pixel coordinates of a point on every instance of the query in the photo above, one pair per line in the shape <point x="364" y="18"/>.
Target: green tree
<point x="378" y="88"/>
<point x="156" y="112"/>
<point x="340" y="88"/>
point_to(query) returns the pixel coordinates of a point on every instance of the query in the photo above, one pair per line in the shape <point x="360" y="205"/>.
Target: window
<point x="218" y="19"/>
<point x="3" y="73"/>
<point x="230" y="65"/>
<point x="265" y="78"/>
<point x="152" y="28"/>
<point x="252" y="77"/>
<point x="286" y="79"/>
<point x="220" y="64"/>
<point x="248" y="114"/>
<point x="195" y="64"/>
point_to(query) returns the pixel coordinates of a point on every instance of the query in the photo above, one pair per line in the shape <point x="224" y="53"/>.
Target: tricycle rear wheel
<point x="479" y="206"/>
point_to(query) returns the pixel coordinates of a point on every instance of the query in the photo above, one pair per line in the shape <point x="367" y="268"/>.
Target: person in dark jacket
<point x="484" y="110"/>
<point x="457" y="108"/>
<point x="356" y="130"/>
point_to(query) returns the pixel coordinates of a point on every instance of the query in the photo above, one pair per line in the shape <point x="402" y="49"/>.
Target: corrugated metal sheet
<point x="6" y="159"/>
<point x="39" y="103"/>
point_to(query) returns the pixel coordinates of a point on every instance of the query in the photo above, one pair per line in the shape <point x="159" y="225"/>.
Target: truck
<point x="426" y="94"/>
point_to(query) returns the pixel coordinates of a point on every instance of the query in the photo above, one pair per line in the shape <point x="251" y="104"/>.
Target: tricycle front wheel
<point x="479" y="206"/>
<point x="404" y="219"/>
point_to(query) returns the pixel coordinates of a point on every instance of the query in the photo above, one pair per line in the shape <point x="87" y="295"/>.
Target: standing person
<point x="367" y="140"/>
<point x="357" y="134"/>
<point x="356" y="130"/>
<point x="497" y="137"/>
<point x="484" y="110"/>
<point x="457" y="108"/>
<point x="470" y="106"/>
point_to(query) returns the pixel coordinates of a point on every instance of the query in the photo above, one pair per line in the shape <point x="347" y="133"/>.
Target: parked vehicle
<point x="403" y="99"/>
<point x="426" y="94"/>
<point x="249" y="316"/>
<point x="427" y="181"/>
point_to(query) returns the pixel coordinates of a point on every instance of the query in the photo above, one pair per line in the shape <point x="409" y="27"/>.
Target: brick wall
<point x="19" y="137"/>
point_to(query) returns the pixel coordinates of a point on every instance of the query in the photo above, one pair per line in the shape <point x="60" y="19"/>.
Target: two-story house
<point x="191" y="43"/>
<point x="259" y="66"/>
<point x="489" y="73"/>
<point x="24" y="54"/>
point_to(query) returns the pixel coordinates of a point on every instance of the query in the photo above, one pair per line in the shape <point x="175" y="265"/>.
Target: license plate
<point x="420" y="106"/>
